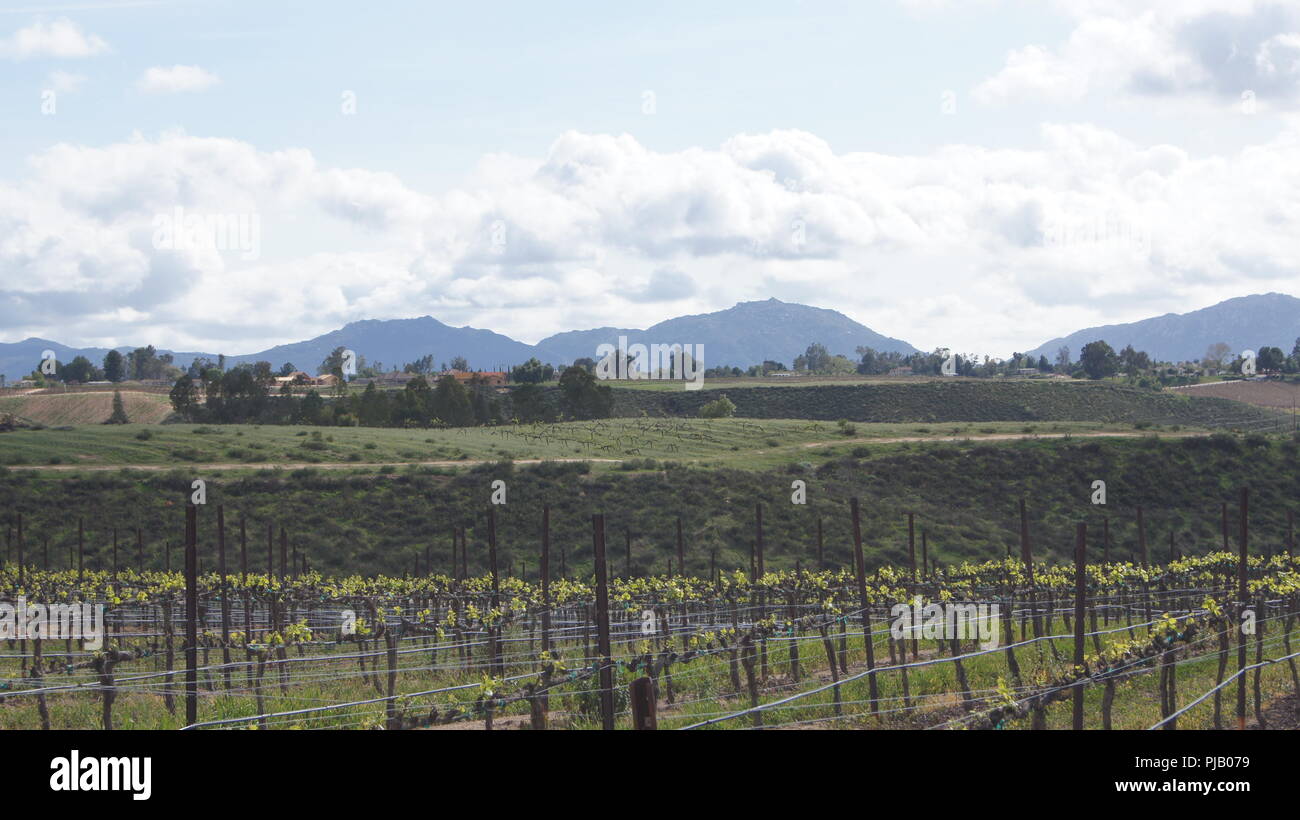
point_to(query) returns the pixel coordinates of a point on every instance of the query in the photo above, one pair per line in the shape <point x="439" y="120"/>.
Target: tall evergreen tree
<point x="119" y="410"/>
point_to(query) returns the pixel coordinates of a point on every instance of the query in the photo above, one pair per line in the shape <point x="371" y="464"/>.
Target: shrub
<point x="719" y="408"/>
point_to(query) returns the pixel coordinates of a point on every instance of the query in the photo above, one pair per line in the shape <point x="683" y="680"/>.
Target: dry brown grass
<point x="1280" y="395"/>
<point x="86" y="408"/>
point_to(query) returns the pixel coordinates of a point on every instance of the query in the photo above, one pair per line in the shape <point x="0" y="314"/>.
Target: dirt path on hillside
<point x="352" y="465"/>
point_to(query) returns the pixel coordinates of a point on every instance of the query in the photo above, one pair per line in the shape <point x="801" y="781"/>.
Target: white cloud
<point x="177" y="79"/>
<point x="1210" y="51"/>
<point x="61" y="38"/>
<point x="984" y="250"/>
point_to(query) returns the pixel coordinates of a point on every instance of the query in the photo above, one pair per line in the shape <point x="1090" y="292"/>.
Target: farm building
<point x="304" y="379"/>
<point x="490" y="378"/>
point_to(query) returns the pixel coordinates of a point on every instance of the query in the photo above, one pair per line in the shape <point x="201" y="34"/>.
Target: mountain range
<point x="748" y="333"/>
<point x="745" y="334"/>
<point x="1243" y="323"/>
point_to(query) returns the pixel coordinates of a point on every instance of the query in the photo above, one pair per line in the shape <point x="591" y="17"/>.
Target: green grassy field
<point x="722" y="442"/>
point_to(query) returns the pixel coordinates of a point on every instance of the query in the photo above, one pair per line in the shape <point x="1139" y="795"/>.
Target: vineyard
<point x="962" y="400"/>
<point x="86" y="406"/>
<point x="258" y="639"/>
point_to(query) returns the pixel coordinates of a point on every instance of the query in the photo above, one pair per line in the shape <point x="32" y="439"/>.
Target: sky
<point x="982" y="175"/>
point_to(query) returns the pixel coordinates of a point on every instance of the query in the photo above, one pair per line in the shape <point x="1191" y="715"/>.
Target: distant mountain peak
<point x="1242" y="322"/>
<point x="744" y="334"/>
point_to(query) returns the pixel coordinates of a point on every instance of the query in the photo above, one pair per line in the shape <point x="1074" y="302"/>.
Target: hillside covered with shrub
<point x="945" y="401"/>
<point x="964" y="496"/>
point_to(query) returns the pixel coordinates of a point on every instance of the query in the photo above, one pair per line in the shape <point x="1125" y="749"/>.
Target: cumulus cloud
<point x="981" y="249"/>
<point x="1213" y="50"/>
<point x="177" y="79"/>
<point x="61" y="38"/>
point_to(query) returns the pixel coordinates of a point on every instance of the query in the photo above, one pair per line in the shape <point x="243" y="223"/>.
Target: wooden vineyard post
<point x="243" y="582"/>
<point x="390" y="656"/>
<point x="1242" y="592"/>
<point x="911" y="562"/>
<point x="861" y="567"/>
<point x="751" y="683"/>
<point x="22" y="644"/>
<point x="21" y="560"/>
<point x="642" y="695"/>
<point x="1027" y="558"/>
<point x="1290" y="533"/>
<point x="464" y="556"/>
<point x="225" y="594"/>
<point x="1142" y="539"/>
<point x="681" y="549"/>
<point x="762" y="596"/>
<point x="820" y="562"/>
<point x="191" y="616"/>
<point x="270" y="575"/>
<point x="1142" y="549"/>
<point x="602" y="625"/>
<point x="1080" y="609"/>
<point x="793" y="615"/>
<point x="546" y="578"/>
<point x="494" y="631"/>
<point x="911" y="546"/>
<point x="627" y="555"/>
<point x="1226" y="548"/>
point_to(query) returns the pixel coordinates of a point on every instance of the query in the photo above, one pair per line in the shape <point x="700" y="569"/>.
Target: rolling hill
<point x="742" y="335"/>
<point x="739" y="336"/>
<point x="87" y="408"/>
<point x="1244" y="323"/>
